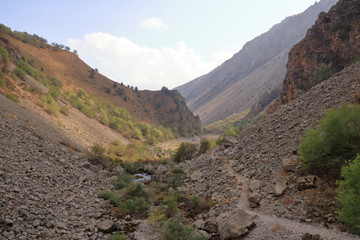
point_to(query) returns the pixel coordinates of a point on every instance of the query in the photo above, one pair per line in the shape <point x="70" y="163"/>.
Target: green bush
<point x="348" y="194"/>
<point x="186" y="151"/>
<point x="2" y="80"/>
<point x="325" y="148"/>
<point x="136" y="190"/>
<point x="171" y="206"/>
<point x="105" y="195"/>
<point x="97" y="150"/>
<point x="204" y="145"/>
<point x="122" y="181"/>
<point x="176" y="177"/>
<point x="5" y="55"/>
<point x="117" y="236"/>
<point x="323" y="73"/>
<point x="135" y="205"/>
<point x="12" y="97"/>
<point x="20" y="73"/>
<point x="64" y="110"/>
<point x="174" y="229"/>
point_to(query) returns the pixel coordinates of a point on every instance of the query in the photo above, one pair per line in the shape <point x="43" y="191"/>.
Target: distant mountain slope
<point x="163" y="107"/>
<point x="331" y="44"/>
<point x="259" y="67"/>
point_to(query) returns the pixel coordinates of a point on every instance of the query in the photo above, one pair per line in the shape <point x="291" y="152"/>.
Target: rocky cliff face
<point x="258" y="68"/>
<point x="330" y="45"/>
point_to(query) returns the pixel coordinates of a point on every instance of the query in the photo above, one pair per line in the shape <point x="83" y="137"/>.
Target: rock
<point x="308" y="236"/>
<point x="236" y="225"/>
<point x="254" y="199"/>
<point x="204" y="235"/>
<point x="106" y="226"/>
<point x="196" y="176"/>
<point x="307" y="182"/>
<point x="118" y="170"/>
<point x="279" y="189"/>
<point x="229" y="142"/>
<point x="290" y="164"/>
<point x="211" y="226"/>
<point x="36" y="223"/>
<point x="149" y="168"/>
<point x="255" y="185"/>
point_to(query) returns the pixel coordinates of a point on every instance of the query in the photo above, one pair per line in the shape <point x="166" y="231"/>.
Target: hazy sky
<point x="150" y="43"/>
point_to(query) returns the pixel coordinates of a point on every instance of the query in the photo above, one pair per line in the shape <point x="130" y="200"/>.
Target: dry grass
<point x="276" y="227"/>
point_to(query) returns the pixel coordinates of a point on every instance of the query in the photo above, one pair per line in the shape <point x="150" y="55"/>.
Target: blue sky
<point x="150" y="43"/>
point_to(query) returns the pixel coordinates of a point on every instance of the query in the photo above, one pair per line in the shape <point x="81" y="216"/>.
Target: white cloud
<point x="147" y="68"/>
<point x="154" y="23"/>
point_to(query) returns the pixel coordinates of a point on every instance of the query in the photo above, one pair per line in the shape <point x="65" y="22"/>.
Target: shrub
<point x="186" y="151"/>
<point x="323" y="73"/>
<point x="64" y="110"/>
<point x="337" y="138"/>
<point x="198" y="205"/>
<point x="136" y="205"/>
<point x="117" y="236"/>
<point x="12" y="97"/>
<point x="176" y="177"/>
<point x="111" y="196"/>
<point x="204" y="145"/>
<point x="5" y="55"/>
<point x="2" y="80"/>
<point x="348" y="195"/>
<point x="122" y="181"/>
<point x="174" y="229"/>
<point x="171" y="206"/>
<point x="20" y="73"/>
<point x="136" y="190"/>
<point x="105" y="195"/>
<point x="130" y="167"/>
<point x="97" y="150"/>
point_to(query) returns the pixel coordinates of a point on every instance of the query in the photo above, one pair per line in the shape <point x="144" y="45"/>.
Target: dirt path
<point x="276" y="224"/>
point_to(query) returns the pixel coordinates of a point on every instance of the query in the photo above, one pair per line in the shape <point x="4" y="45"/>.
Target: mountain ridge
<point x="255" y="54"/>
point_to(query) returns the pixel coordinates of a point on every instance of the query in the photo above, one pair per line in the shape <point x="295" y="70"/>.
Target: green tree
<point x="325" y="149"/>
<point x="186" y="151"/>
<point x="204" y="145"/>
<point x="348" y="195"/>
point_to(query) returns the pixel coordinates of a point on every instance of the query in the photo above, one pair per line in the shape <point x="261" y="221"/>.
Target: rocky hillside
<point x="259" y="171"/>
<point x="47" y="190"/>
<point x="258" y="68"/>
<point x="166" y="108"/>
<point x="330" y="45"/>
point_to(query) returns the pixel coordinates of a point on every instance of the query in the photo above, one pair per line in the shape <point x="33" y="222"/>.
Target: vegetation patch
<point x="12" y="97"/>
<point x="348" y="195"/>
<point x="326" y="148"/>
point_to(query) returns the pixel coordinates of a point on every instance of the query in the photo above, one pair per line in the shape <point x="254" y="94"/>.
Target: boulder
<point x="196" y="176"/>
<point x="118" y="170"/>
<point x="255" y="185"/>
<point x="307" y="182"/>
<point x="236" y="225"/>
<point x="106" y="226"/>
<point x="254" y="199"/>
<point x="290" y="164"/>
<point x="149" y="168"/>
<point x="279" y="189"/>
<point x="229" y="142"/>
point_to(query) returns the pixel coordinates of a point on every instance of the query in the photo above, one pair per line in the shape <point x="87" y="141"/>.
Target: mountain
<point x="256" y="69"/>
<point x="330" y="45"/>
<point x="48" y="79"/>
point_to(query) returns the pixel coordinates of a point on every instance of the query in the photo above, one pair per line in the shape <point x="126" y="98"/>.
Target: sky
<point x="150" y="43"/>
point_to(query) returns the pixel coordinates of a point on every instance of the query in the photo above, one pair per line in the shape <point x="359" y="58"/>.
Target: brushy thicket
<point x="348" y="195"/>
<point x="116" y="117"/>
<point x="326" y="148"/>
<point x="186" y="151"/>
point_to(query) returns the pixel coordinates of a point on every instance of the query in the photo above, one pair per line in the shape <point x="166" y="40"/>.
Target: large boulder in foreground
<point x="236" y="225"/>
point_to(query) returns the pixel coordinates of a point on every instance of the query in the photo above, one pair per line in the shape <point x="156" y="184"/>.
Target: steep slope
<point x="75" y="74"/>
<point x="330" y="45"/>
<point x="47" y="191"/>
<point x="248" y="171"/>
<point x="257" y="68"/>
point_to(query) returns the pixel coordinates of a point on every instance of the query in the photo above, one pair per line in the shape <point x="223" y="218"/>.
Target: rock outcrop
<point x="330" y="45"/>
